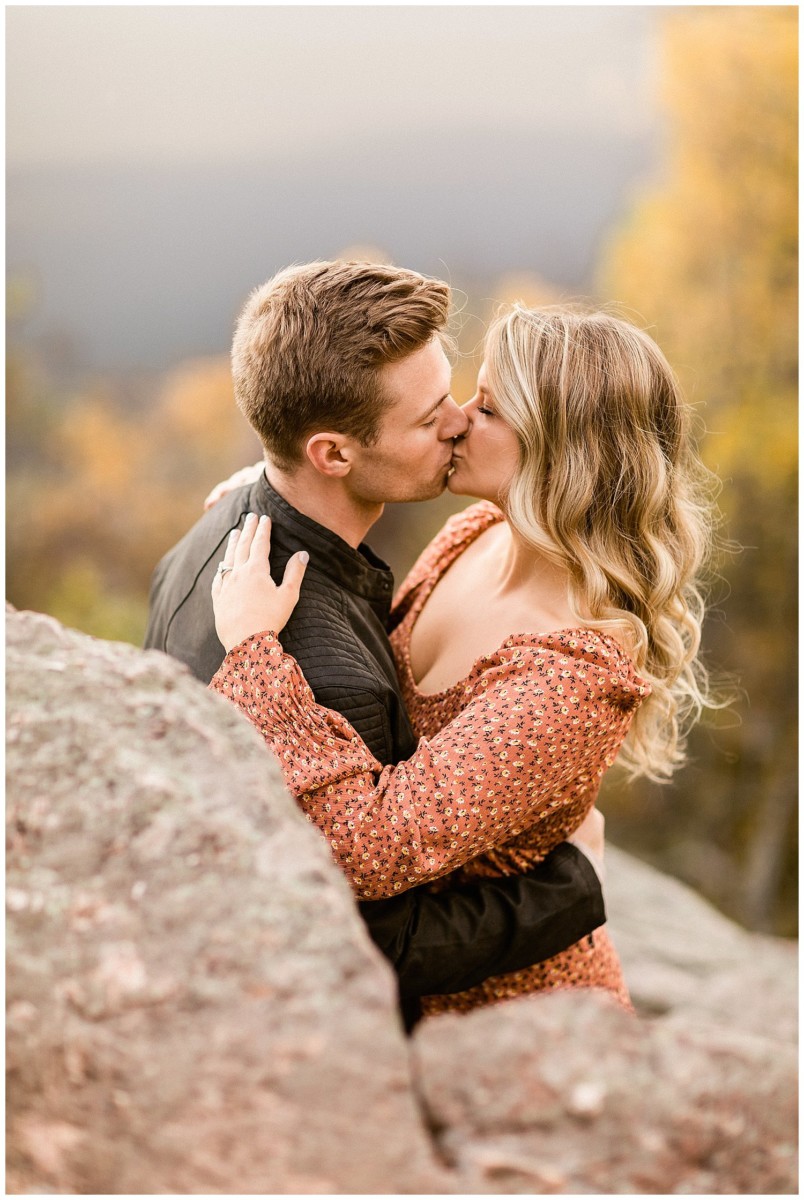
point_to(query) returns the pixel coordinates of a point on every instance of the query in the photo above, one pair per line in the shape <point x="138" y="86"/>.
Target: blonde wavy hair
<point x="610" y="486"/>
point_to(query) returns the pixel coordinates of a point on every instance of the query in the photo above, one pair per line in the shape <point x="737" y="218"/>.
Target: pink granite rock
<point x="194" y="1003"/>
<point x="566" y="1093"/>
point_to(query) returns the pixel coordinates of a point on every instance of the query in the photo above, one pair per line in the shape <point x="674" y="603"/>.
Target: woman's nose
<point x="468" y="409"/>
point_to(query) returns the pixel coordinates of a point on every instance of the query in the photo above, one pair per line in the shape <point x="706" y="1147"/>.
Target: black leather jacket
<point x="437" y="942"/>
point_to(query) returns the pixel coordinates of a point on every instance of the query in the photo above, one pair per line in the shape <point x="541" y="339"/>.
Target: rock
<point x="194" y="1004"/>
<point x="566" y="1093"/>
<point x="684" y="960"/>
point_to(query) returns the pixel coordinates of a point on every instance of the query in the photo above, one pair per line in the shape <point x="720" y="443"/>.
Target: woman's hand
<point x="239" y="479"/>
<point x="244" y="596"/>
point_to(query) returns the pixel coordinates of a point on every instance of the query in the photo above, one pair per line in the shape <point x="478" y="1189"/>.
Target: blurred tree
<point x="709" y="257"/>
<point x="97" y="492"/>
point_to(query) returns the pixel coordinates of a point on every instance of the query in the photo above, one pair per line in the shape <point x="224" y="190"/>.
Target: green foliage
<point x="81" y="598"/>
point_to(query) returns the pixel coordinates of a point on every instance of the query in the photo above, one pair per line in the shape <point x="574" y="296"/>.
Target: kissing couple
<point x="449" y="740"/>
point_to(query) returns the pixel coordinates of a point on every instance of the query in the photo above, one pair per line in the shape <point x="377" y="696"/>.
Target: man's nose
<point x="456" y="422"/>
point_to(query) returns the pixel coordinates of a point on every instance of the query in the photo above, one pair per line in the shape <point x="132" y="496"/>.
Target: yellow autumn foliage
<point x="707" y="258"/>
<point x="708" y="255"/>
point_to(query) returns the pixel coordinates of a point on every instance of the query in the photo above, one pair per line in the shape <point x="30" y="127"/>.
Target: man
<point x="341" y="370"/>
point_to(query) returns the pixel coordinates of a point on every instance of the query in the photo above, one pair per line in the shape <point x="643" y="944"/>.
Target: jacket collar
<point x="360" y="571"/>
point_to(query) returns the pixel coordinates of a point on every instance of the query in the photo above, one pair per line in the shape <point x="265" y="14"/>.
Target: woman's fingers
<point x="294" y="574"/>
<point x="227" y="561"/>
<point x="261" y="545"/>
<point x="245" y="598"/>
<point x="251" y="548"/>
<point x="243" y="547"/>
<point x="231" y="545"/>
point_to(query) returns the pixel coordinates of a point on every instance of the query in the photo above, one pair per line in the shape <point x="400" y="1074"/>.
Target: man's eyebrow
<point x="433" y="407"/>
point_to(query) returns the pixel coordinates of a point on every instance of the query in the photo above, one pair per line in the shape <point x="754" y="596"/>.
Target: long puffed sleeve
<point x="537" y="731"/>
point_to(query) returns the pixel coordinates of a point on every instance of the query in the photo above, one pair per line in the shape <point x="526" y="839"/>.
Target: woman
<point x="539" y="629"/>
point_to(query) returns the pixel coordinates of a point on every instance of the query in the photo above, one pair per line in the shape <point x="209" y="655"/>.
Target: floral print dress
<point x="508" y="763"/>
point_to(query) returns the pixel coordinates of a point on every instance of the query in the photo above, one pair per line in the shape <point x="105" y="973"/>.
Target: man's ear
<point x="329" y="453"/>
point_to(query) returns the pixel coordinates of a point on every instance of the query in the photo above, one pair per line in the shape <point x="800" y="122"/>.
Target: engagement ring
<point x="222" y="569"/>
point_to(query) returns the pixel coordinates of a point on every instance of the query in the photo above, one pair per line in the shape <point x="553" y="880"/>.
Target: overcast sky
<point x="202" y="84"/>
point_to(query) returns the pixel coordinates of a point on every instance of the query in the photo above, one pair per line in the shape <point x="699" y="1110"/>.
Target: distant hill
<point x="141" y="266"/>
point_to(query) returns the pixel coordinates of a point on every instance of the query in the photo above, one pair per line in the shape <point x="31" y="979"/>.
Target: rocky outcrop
<point x="194" y="1004"/>
<point x="688" y="964"/>
<point x="568" y="1094"/>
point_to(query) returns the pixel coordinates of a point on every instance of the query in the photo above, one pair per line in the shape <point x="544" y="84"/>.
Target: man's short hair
<point x="310" y="343"/>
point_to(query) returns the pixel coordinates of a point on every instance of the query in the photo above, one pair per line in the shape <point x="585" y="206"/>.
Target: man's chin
<point x="433" y="492"/>
<point x="428" y="492"/>
<point x="421" y="489"/>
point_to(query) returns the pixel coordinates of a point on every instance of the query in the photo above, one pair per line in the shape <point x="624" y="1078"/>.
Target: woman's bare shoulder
<point x="456" y="533"/>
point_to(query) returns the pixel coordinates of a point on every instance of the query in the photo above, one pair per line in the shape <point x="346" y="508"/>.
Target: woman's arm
<point x="528" y="747"/>
<point x="506" y="763"/>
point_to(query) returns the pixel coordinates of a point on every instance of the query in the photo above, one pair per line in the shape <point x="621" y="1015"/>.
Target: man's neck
<point x="325" y="501"/>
